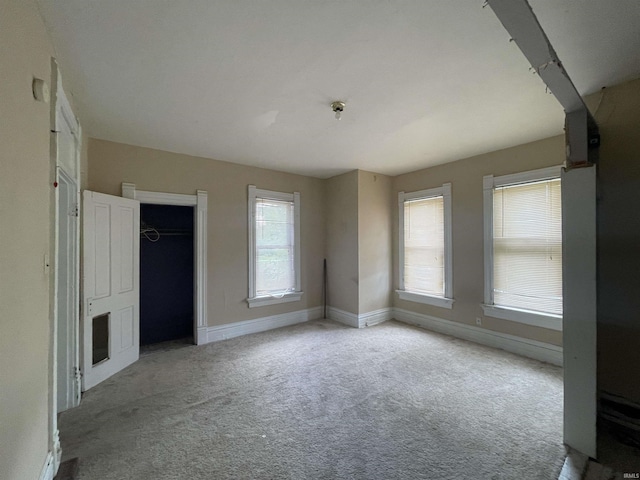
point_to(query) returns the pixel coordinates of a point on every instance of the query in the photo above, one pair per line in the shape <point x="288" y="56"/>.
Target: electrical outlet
<point x="478" y="321"/>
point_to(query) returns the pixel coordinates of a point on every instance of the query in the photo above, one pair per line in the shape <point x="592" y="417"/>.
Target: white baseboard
<point x="346" y="318"/>
<point x="360" y="321"/>
<point x="57" y="451"/>
<point x="231" y="330"/>
<point x="202" y="335"/>
<point x="375" y="317"/>
<point x="527" y="348"/>
<point x="48" y="469"/>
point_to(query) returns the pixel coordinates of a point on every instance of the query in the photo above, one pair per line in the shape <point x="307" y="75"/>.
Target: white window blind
<point x="275" y="247"/>
<point x="527" y="246"/>
<point x="424" y="262"/>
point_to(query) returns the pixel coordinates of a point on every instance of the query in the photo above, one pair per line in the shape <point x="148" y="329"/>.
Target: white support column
<point x="579" y="308"/>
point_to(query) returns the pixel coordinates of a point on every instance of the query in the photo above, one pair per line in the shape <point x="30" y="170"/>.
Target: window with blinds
<point x="527" y="246"/>
<point x="424" y="255"/>
<point x="274" y="247"/>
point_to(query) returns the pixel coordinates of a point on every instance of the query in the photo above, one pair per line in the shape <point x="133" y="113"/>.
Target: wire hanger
<point x="149" y="232"/>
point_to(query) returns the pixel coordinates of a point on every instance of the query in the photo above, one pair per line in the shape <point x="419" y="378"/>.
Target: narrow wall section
<point x="342" y="242"/>
<point x="25" y="236"/>
<point x="374" y="241"/>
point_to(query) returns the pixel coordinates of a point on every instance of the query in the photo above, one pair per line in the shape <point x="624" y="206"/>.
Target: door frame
<point x="60" y="112"/>
<point x="199" y="202"/>
<point x="67" y="332"/>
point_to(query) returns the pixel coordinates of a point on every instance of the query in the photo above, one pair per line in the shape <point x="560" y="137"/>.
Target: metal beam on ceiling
<point x="581" y="131"/>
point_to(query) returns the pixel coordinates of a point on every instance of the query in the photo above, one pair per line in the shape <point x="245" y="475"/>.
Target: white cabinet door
<point x="110" y="326"/>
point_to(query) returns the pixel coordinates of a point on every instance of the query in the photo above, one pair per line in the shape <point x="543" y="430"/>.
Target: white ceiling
<point x="251" y="81"/>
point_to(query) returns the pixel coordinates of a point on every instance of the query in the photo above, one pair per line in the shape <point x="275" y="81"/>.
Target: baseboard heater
<point x="621" y="416"/>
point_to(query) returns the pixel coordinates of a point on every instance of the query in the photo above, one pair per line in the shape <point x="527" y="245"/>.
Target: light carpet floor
<point x="323" y="401"/>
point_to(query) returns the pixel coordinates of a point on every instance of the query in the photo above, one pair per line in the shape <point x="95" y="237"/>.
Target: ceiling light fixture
<point x="337" y="107"/>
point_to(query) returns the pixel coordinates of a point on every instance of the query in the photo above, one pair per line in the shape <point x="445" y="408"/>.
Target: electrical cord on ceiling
<point x="145" y="230"/>
<point x="603" y="92"/>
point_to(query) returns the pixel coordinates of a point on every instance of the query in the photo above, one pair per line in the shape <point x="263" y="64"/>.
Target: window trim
<point x="447" y="300"/>
<point x="490" y="309"/>
<point x="259" y="301"/>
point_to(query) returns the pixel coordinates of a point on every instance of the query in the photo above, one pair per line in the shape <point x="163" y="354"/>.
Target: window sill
<point x="269" y="300"/>
<point x="426" y="299"/>
<point x="528" y="317"/>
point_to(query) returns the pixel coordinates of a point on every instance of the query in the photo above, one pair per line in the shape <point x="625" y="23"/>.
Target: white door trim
<point x="199" y="201"/>
<point x="68" y="377"/>
<point x="63" y="116"/>
<point x="70" y="173"/>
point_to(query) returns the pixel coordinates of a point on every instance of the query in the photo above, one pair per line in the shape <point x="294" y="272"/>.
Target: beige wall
<point x="25" y="238"/>
<point x="342" y="242"/>
<point x="618" y="115"/>
<point x="358" y="233"/>
<point x="374" y="241"/>
<point x="467" y="229"/>
<point x="111" y="163"/>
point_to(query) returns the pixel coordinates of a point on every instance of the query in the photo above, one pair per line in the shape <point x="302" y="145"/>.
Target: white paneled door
<point x="110" y="326"/>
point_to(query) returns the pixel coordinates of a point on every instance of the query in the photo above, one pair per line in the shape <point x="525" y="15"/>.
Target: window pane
<point x="527" y="246"/>
<point x="424" y="246"/>
<point x="275" y="264"/>
<point x="274" y="272"/>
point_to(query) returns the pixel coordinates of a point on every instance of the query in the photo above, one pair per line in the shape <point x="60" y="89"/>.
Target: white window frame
<point x="528" y="317"/>
<point x="447" y="300"/>
<point x="259" y="301"/>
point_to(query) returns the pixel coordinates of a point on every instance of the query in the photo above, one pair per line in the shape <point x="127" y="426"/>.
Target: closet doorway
<point x="166" y="274"/>
<point x="198" y="205"/>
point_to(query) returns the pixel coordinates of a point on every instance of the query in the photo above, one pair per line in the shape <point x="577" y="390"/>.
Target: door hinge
<point x="89" y="311"/>
<point x="77" y="374"/>
<point x="74" y="211"/>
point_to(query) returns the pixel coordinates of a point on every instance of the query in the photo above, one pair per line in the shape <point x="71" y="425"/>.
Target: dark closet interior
<point x="166" y="273"/>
